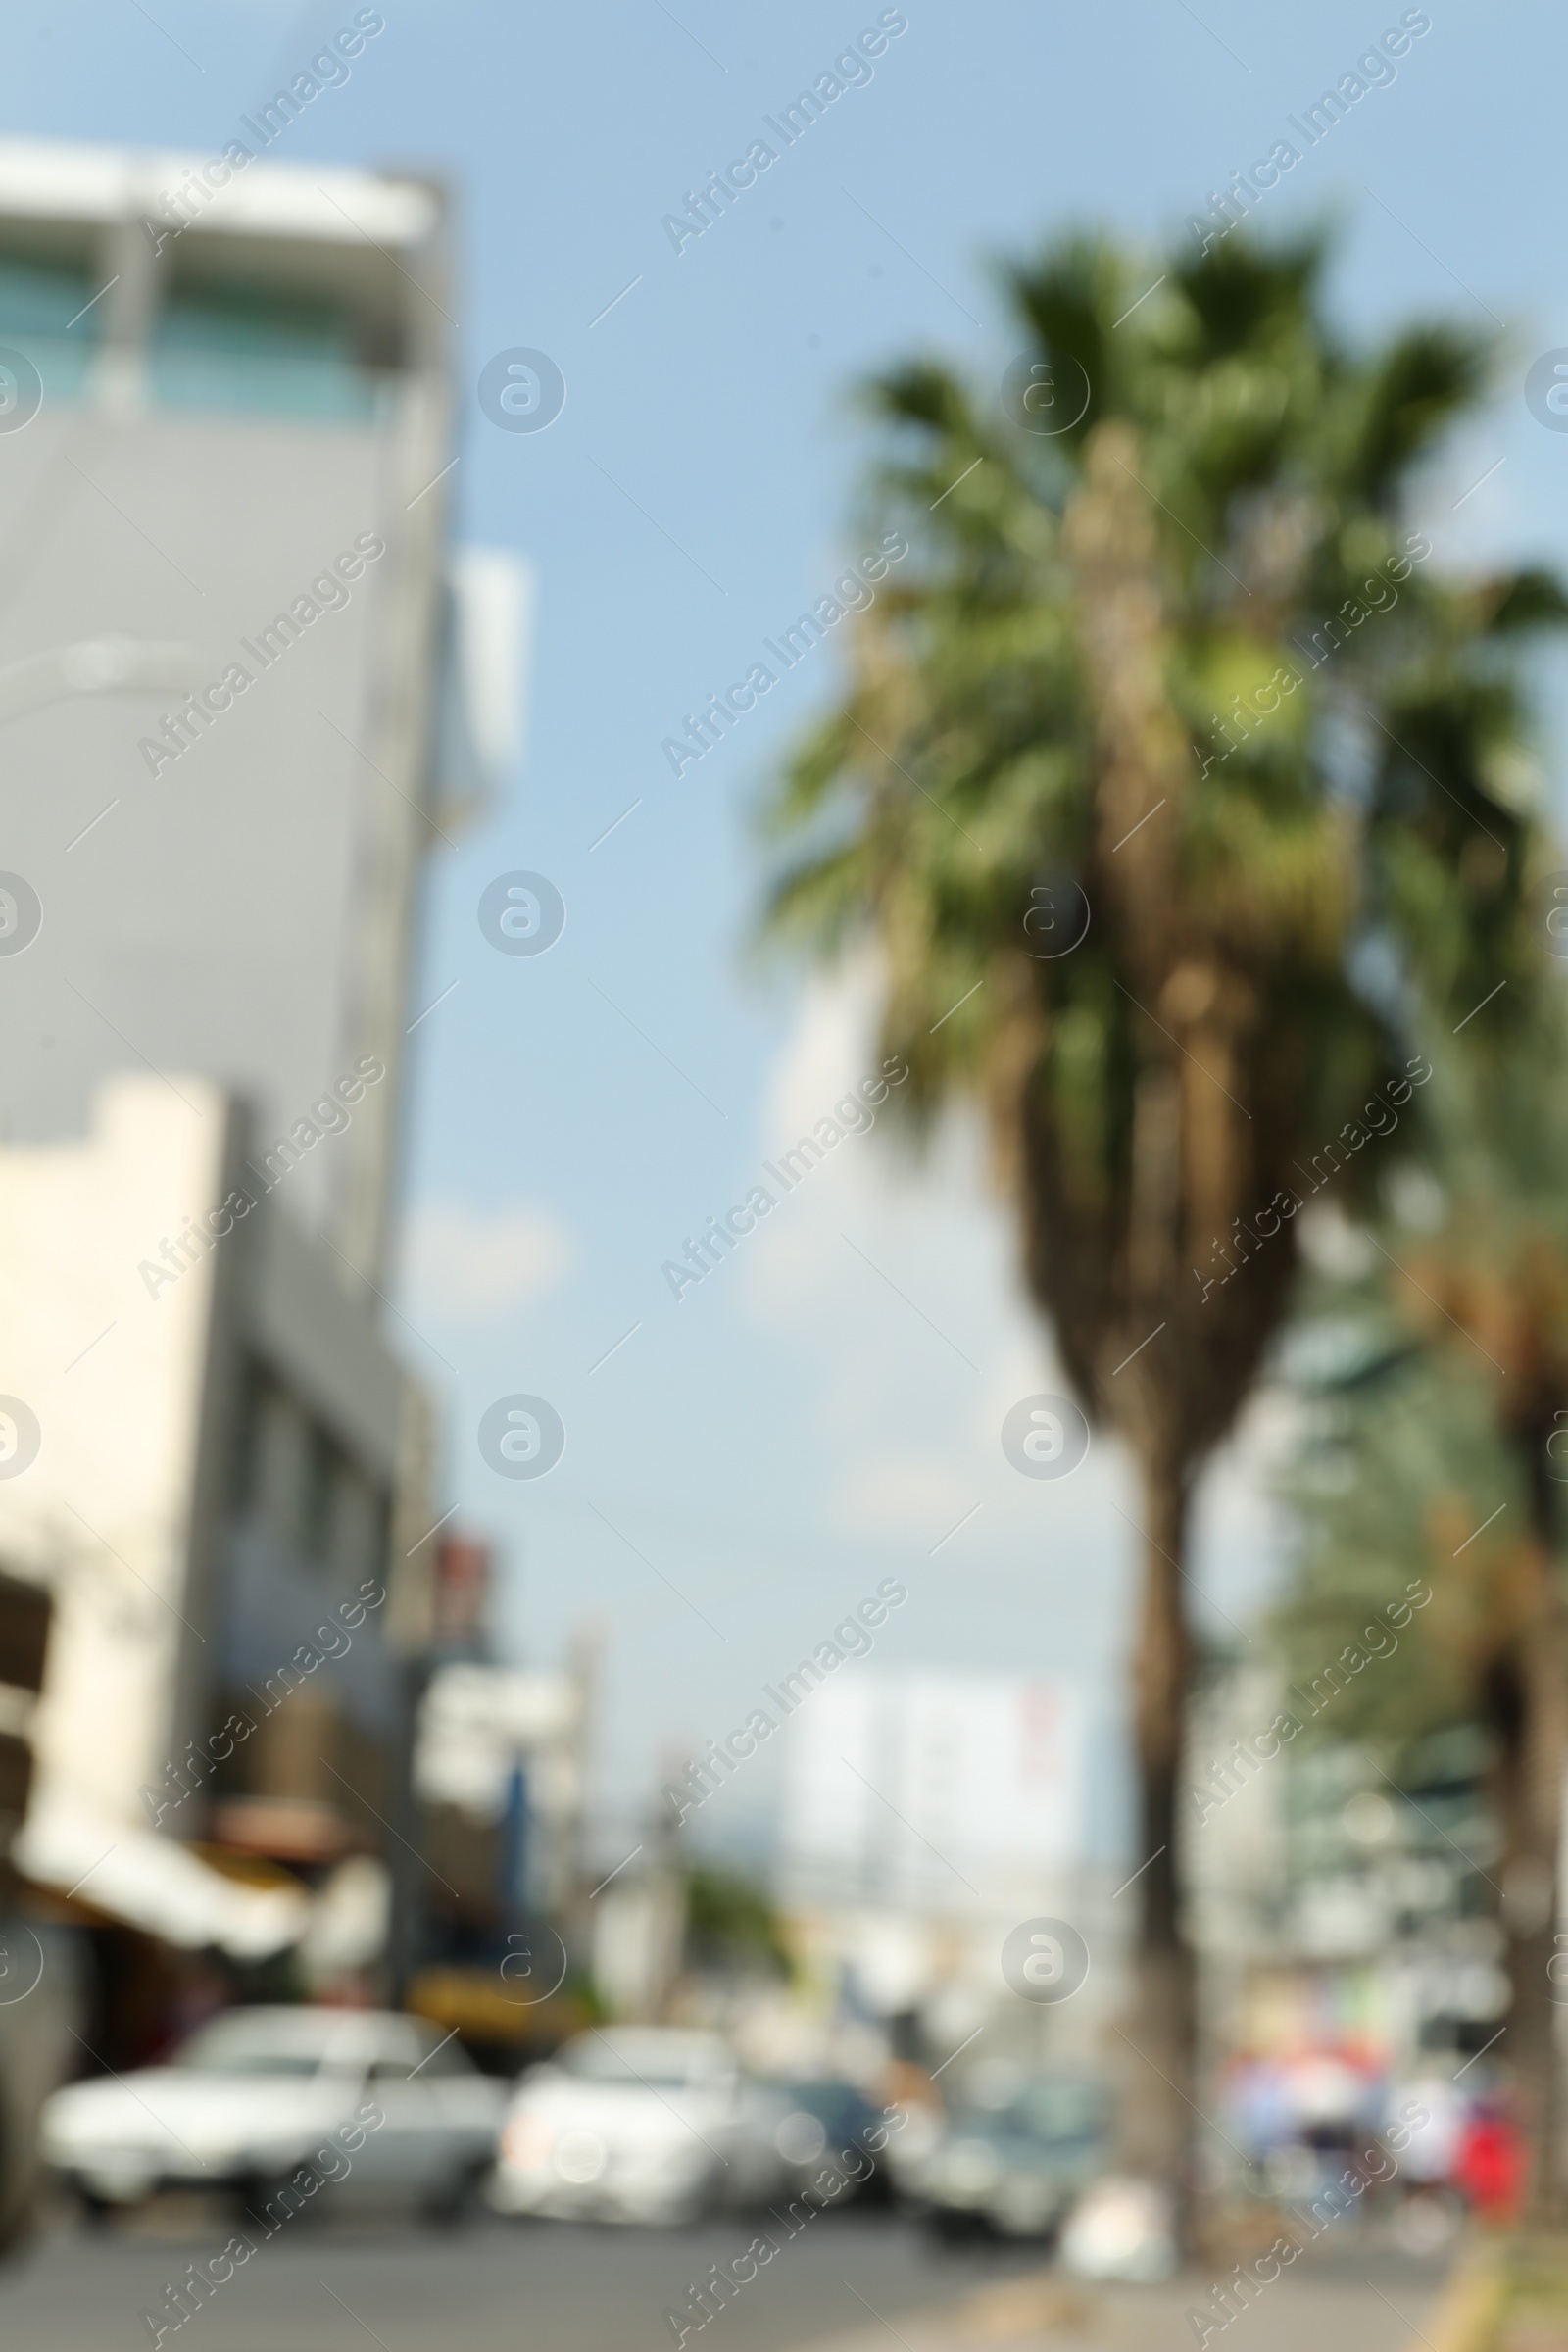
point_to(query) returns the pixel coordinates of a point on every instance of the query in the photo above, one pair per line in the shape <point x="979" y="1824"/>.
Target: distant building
<point x="1344" y="1927"/>
<point x="501" y="1780"/>
<point x="925" y="1816"/>
<point x="240" y="697"/>
<point x="501" y="1766"/>
<point x="932" y="1791"/>
<point x="460" y="1604"/>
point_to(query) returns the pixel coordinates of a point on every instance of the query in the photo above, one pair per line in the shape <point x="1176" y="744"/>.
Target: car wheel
<point x="280" y="2190"/>
<point x="97" y="2212"/>
<point x="457" y="2199"/>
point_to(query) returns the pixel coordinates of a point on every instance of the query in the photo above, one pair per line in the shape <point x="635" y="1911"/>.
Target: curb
<point x="1470" y="2305"/>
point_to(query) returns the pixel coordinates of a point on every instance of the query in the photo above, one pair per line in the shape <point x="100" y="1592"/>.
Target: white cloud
<point x="903" y="1495"/>
<point x="477" y="1264"/>
<point x="832" y="1049"/>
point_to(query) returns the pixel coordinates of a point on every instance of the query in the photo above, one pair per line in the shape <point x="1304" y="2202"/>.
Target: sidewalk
<point x="1368" y="2306"/>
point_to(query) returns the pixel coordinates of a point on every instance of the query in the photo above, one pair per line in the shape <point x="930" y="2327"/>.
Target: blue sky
<point x="825" y="1407"/>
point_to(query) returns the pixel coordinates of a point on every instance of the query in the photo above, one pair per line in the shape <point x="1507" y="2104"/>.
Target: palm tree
<point x="1492" y="1285"/>
<point x="1445" y="1445"/>
<point x="1178" y="662"/>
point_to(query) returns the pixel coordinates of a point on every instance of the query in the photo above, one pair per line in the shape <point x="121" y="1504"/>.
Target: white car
<point x="258" y="2095"/>
<point x="640" y="2124"/>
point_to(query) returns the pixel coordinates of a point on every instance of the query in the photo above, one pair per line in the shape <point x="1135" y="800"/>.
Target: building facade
<point x="238" y="708"/>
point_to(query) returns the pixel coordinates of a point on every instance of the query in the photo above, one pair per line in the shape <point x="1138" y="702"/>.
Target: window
<point x="319" y="1495"/>
<point x="24" y="1614"/>
<point x="359" y="1527"/>
<point x="448" y="2059"/>
<point x="237" y="349"/>
<point x="244" y="2046"/>
<point x="43" y="302"/>
<point x="676" y="2062"/>
<point x="272" y="1444"/>
<point x="445" y="2059"/>
<point x="42" y="315"/>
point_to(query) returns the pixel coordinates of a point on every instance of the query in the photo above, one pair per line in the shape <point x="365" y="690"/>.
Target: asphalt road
<point x="323" y="2286"/>
<point x="327" y="2283"/>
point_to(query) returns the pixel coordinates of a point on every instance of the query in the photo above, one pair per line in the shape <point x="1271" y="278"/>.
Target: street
<point x="847" y="2280"/>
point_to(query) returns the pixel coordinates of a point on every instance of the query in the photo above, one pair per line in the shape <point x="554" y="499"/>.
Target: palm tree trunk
<point x="1157" y="2114"/>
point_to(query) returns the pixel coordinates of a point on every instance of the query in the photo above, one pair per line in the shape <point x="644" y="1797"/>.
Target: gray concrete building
<point x="222" y="623"/>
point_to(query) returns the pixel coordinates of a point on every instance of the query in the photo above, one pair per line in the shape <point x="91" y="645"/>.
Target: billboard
<point x="935" y="1791"/>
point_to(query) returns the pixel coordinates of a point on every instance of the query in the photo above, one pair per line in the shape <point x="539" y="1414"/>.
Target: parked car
<point x="256" y="2094"/>
<point x="644" y="2124"/>
<point x="1015" y="2164"/>
<point x="40" y="2001"/>
<point x="830" y="2126"/>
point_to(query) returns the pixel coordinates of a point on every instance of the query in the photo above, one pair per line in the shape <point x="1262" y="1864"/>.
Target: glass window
<point x="319" y="1500"/>
<point x="1062" y="2111"/>
<point x="49" y="316"/>
<point x="661" y="2064"/>
<point x="44" y="302"/>
<point x="244" y="2046"/>
<point x="244" y="350"/>
<point x="357" y="1547"/>
<point x="449" y="2058"/>
<point x="278" y="1478"/>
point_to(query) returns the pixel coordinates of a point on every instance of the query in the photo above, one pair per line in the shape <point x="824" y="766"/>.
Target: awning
<point x="150" y="1883"/>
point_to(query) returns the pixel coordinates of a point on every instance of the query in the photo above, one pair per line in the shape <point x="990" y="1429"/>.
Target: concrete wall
<point x="114" y="1378"/>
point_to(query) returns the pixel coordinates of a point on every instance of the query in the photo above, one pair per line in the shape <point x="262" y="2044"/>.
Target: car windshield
<point x="656" y="2065"/>
<point x="236" y="2048"/>
<point x="235" y="2061"/>
<point x="831" y="2102"/>
<point x="1050" y="2111"/>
